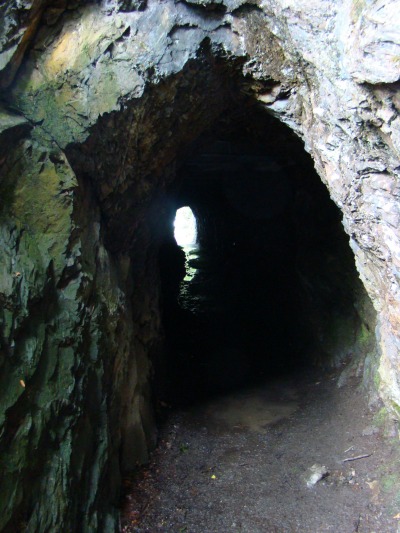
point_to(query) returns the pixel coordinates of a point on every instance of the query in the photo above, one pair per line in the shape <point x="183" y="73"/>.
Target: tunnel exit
<point x="185" y="227"/>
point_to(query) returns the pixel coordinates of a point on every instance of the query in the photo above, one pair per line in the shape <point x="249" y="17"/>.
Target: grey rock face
<point x="132" y="5"/>
<point x="19" y="21"/>
<point x="101" y="98"/>
<point x="372" y="42"/>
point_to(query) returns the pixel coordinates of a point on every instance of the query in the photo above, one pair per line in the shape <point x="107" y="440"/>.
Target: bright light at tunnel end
<point x="185" y="231"/>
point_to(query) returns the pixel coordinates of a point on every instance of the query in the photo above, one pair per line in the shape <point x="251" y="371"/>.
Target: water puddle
<point x="192" y="252"/>
<point x="250" y="410"/>
<point x="191" y="291"/>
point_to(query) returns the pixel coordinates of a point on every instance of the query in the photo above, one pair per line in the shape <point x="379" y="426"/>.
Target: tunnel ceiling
<point x="100" y="104"/>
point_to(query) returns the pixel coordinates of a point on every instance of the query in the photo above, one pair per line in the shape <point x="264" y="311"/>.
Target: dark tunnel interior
<point x="271" y="287"/>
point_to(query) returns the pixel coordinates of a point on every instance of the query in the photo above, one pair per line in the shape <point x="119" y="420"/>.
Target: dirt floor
<point x="240" y="462"/>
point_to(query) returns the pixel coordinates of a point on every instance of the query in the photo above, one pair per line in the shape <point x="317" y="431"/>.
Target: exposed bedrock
<point x="101" y="105"/>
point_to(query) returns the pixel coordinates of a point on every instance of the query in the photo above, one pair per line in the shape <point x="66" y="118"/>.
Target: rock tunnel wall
<point x="99" y="100"/>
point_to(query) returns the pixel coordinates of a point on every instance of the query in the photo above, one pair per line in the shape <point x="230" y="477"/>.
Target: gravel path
<point x="240" y="462"/>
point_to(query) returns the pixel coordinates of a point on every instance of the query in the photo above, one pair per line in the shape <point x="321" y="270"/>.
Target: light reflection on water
<point x="191" y="253"/>
<point x="188" y="299"/>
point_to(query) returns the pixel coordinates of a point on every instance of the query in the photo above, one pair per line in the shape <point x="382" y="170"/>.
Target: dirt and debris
<point x="237" y="463"/>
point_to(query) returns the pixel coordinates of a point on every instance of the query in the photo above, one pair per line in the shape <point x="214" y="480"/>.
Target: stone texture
<point x="69" y="329"/>
<point x="104" y="98"/>
<point x="372" y="42"/>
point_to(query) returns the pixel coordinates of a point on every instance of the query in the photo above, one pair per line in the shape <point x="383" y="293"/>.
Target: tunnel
<point x="268" y="287"/>
<point x="268" y="343"/>
<point x="111" y="330"/>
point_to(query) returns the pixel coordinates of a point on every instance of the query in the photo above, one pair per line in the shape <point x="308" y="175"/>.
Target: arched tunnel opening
<point x="265" y="322"/>
<point x="270" y="288"/>
<point x="113" y="118"/>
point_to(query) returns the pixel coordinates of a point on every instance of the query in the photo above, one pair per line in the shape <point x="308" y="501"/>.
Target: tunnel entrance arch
<point x="138" y="187"/>
<point x="101" y="134"/>
<point x="276" y="286"/>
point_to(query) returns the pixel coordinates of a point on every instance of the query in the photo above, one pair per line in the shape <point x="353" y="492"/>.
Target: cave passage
<point x="270" y="288"/>
<point x="266" y="323"/>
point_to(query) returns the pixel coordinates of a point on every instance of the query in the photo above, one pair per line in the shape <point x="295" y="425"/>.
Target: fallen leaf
<point x="397" y="516"/>
<point x="213" y="476"/>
